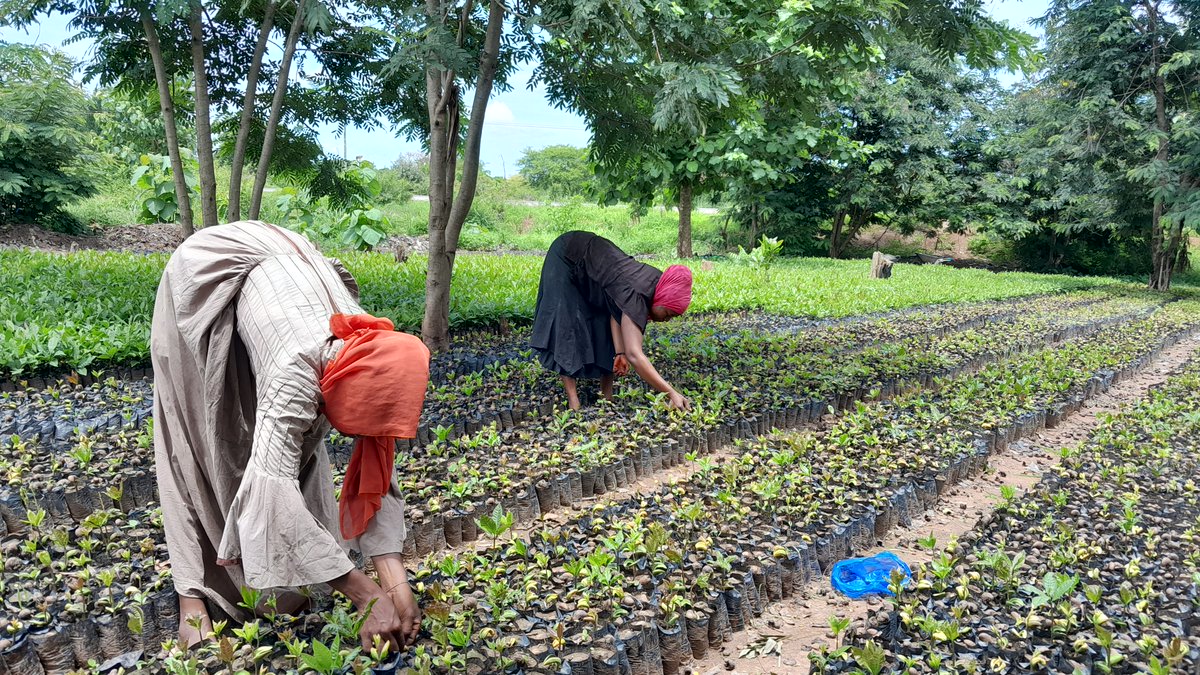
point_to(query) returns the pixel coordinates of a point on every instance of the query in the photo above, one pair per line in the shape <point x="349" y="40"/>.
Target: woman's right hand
<point x="382" y="621"/>
<point x="678" y="401"/>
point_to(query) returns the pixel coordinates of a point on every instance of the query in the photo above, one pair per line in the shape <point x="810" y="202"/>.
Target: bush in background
<point x="44" y="144"/>
<point x="557" y="170"/>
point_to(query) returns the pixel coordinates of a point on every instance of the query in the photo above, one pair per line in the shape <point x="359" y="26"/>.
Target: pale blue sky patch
<point x="516" y="119"/>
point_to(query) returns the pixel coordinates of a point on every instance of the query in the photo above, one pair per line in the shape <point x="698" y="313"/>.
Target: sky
<point x="516" y="119"/>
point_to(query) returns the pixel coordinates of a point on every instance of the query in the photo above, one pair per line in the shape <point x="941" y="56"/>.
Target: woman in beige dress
<point x="259" y="345"/>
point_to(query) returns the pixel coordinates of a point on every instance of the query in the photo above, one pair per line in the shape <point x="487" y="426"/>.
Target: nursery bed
<point x="639" y="583"/>
<point x="1095" y="570"/>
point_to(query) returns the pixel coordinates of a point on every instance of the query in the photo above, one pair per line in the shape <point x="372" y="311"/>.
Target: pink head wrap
<point x="674" y="290"/>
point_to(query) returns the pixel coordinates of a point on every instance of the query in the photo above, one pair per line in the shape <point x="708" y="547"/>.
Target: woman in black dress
<point x="593" y="304"/>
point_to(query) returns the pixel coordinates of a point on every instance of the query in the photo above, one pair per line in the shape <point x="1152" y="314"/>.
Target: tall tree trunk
<point x="835" y="234"/>
<point x="858" y="221"/>
<point x="448" y="208"/>
<point x="1166" y="257"/>
<point x="847" y="225"/>
<point x="1164" y="246"/>
<point x="488" y="61"/>
<point x="442" y="93"/>
<point x="234" y="212"/>
<point x="285" y="68"/>
<point x="204" y="147"/>
<point x="683" y="248"/>
<point x="167" y="105"/>
<point x="753" y="224"/>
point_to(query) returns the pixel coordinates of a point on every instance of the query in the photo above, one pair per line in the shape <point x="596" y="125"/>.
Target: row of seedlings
<point x="622" y="587"/>
<point x="1096" y="570"/>
<point x="574" y="457"/>
<point x="506" y="396"/>
<point x="99" y="454"/>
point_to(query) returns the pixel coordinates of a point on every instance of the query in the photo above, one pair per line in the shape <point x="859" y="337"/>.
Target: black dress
<point x="585" y="280"/>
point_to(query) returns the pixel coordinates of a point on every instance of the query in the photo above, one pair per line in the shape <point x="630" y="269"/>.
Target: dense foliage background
<point x="839" y="128"/>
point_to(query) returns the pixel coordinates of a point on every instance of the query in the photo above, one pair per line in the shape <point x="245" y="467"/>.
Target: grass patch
<point x="91" y="308"/>
<point x="116" y="202"/>
<point x="409" y="218"/>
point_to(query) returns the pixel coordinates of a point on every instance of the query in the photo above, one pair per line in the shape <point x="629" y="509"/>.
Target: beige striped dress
<point x="239" y="340"/>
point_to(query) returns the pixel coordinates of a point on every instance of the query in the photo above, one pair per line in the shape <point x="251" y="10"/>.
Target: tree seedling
<point x="838" y="625"/>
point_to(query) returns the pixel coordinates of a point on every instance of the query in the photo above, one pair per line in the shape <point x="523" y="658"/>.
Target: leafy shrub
<point x="992" y="247"/>
<point x="349" y="220"/>
<point x="115" y="202"/>
<point x="412" y="168"/>
<point x="486" y="215"/>
<point x="44" y="145"/>
<point x="155" y="179"/>
<point x="557" y="170"/>
<point x="127" y="124"/>
<point x="566" y="217"/>
<point x="761" y="257"/>
<point x="363" y="228"/>
<point x="1120" y="252"/>
<point x="393" y="187"/>
<point x="295" y="212"/>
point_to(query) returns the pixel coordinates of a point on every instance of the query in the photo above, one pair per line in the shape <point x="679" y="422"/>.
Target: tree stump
<point x="881" y="265"/>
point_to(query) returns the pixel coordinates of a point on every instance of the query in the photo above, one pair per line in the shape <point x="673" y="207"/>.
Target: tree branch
<point x="774" y="55"/>
<point x="488" y="62"/>
<point x="234" y="209"/>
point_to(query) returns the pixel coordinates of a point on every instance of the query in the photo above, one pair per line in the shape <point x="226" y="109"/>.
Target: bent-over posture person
<point x="593" y="303"/>
<point x="258" y="345"/>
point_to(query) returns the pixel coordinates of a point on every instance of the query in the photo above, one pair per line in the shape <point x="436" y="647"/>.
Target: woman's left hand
<point x="621" y="365"/>
<point x="410" y="614"/>
<point x="394" y="580"/>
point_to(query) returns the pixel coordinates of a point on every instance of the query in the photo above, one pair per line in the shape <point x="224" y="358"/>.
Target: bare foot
<point x="572" y="392"/>
<point x="194" y="623"/>
<point x="606" y="387"/>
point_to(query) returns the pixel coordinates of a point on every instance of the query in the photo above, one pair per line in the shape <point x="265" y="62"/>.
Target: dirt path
<point x="802" y="623"/>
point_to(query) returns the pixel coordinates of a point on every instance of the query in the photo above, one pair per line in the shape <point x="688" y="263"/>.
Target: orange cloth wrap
<point x="374" y="389"/>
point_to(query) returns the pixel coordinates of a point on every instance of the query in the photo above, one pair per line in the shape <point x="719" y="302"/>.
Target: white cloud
<point x="498" y="111"/>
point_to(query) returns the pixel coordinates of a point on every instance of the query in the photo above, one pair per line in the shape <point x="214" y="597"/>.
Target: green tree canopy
<point x="1108" y="141"/>
<point x="44" y="143"/>
<point x="557" y="170"/>
<point x="917" y="125"/>
<point x="1059" y="205"/>
<point x="683" y="97"/>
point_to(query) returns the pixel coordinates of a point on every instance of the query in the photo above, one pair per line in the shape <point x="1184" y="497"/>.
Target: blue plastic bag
<point x="858" y="577"/>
